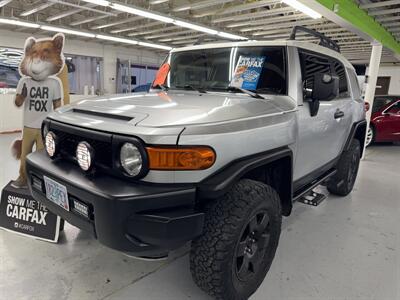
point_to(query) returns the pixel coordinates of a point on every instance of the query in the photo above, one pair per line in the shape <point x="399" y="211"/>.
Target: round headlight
<point x="131" y="159"/>
<point x="84" y="155"/>
<point x="50" y="143"/>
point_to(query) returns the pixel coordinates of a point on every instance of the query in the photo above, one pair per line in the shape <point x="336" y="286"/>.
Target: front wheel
<point x="241" y="234"/>
<point x="342" y="182"/>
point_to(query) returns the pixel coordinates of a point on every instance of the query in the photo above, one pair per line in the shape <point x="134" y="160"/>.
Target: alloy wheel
<point x="370" y="136"/>
<point x="251" y="248"/>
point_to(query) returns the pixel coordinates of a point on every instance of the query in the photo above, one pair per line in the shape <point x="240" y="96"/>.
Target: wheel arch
<point x="358" y="132"/>
<point x="274" y="168"/>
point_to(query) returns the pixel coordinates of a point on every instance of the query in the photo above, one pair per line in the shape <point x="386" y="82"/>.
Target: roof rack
<point x="323" y="40"/>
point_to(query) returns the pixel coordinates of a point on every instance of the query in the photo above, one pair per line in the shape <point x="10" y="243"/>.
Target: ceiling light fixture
<point x="161" y="18"/>
<point x="231" y="36"/>
<point x="82" y="33"/>
<point x="151" y="45"/>
<point x="99" y="2"/>
<point x="36" y="9"/>
<point x="116" y="39"/>
<point x="141" y="12"/>
<point x="19" y="23"/>
<point x="303" y="8"/>
<point x="68" y="31"/>
<point x="195" y="27"/>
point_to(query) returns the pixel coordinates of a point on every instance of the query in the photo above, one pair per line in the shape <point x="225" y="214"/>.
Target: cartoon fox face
<point x="43" y="57"/>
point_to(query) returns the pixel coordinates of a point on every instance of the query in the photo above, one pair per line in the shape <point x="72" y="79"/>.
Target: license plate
<point x="56" y="192"/>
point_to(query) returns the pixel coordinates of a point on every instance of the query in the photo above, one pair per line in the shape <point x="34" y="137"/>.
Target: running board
<point x="306" y="189"/>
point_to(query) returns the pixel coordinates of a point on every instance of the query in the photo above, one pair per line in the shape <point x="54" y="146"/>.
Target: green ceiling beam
<point x="359" y="18"/>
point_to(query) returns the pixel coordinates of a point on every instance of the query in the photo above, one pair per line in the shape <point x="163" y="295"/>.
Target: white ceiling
<point x="262" y="19"/>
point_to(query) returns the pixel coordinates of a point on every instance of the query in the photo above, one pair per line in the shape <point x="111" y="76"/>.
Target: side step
<point x="312" y="198"/>
<point x="308" y="188"/>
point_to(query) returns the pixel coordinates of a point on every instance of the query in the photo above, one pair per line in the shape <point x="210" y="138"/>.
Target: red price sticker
<point x="161" y="75"/>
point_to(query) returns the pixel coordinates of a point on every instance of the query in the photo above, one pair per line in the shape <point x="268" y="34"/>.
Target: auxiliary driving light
<point x="84" y="155"/>
<point x="50" y="143"/>
<point x="131" y="159"/>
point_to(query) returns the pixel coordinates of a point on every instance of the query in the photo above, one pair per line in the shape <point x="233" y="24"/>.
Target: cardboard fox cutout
<point x="39" y="91"/>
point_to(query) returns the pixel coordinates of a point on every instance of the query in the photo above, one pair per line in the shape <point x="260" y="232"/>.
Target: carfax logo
<point x="26" y="210"/>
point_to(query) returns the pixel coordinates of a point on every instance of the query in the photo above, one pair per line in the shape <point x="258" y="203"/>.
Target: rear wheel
<point x="241" y="234"/>
<point x="343" y="181"/>
<point x="370" y="136"/>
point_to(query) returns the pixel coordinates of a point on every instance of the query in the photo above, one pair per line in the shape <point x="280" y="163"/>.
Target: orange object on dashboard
<point x="180" y="158"/>
<point x="161" y="75"/>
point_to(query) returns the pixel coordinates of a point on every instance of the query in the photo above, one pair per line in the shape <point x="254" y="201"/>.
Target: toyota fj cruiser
<point x="215" y="154"/>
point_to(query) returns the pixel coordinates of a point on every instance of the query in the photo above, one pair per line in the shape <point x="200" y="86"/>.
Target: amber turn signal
<point x="180" y="158"/>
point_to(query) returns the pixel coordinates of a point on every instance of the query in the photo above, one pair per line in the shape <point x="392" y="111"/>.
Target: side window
<point x="394" y="109"/>
<point x="310" y="65"/>
<point x="313" y="63"/>
<point x="380" y="102"/>
<point x="338" y="70"/>
<point x="355" y="87"/>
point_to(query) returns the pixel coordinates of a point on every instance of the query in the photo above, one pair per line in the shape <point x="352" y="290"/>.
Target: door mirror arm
<point x="314" y="106"/>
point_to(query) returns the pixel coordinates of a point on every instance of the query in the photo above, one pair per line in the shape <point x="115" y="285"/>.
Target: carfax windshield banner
<point x="20" y="213"/>
<point x="247" y="72"/>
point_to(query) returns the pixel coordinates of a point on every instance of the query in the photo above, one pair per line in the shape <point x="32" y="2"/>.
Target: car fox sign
<point x="20" y="213"/>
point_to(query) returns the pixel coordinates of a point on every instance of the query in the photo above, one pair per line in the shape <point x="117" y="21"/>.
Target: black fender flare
<point x="219" y="183"/>
<point x="358" y="131"/>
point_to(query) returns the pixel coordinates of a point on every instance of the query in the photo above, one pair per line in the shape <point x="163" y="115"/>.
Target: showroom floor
<point x="347" y="248"/>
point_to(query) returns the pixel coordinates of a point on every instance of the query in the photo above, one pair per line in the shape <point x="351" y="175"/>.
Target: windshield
<point x="212" y="69"/>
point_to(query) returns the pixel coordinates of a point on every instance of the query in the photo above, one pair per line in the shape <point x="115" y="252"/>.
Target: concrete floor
<point x="347" y="248"/>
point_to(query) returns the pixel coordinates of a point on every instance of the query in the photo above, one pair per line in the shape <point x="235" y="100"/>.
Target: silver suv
<point x="198" y="159"/>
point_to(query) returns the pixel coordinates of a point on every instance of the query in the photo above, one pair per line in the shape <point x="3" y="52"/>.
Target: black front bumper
<point x="137" y="218"/>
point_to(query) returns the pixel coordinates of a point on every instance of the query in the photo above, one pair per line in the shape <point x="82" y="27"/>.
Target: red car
<point x="385" y="120"/>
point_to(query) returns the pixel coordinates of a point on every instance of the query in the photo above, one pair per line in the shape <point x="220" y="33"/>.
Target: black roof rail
<point x="323" y="40"/>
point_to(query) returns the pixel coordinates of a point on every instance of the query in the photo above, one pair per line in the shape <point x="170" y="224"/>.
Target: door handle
<point x="339" y="114"/>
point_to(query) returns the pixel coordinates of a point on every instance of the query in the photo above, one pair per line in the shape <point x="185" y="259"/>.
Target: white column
<point x="373" y="70"/>
<point x="109" y="69"/>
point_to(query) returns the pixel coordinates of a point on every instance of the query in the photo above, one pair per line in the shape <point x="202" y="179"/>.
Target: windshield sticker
<point x="161" y="75"/>
<point x="247" y="72"/>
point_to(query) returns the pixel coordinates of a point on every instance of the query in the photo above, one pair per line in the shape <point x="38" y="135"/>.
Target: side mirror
<point x="325" y="88"/>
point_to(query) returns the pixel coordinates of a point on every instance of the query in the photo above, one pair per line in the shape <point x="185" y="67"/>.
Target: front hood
<point x="179" y="108"/>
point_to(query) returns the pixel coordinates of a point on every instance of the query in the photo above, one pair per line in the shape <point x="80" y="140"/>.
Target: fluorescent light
<point x="158" y="17"/>
<point x="116" y="39"/>
<point x="152" y="2"/>
<point x="67" y="31"/>
<point x="151" y="45"/>
<point x="99" y="2"/>
<point x="19" y="23"/>
<point x="231" y="36"/>
<point x="36" y="9"/>
<point x="4" y="2"/>
<point x="141" y="12"/>
<point x="195" y="27"/>
<point x="86" y="20"/>
<point x="303" y="8"/>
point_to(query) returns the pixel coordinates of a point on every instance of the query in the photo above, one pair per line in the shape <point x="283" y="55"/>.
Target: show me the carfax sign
<point x="22" y="214"/>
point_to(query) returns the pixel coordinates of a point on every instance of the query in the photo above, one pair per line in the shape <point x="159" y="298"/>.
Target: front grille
<point x="68" y="143"/>
<point x="105" y="145"/>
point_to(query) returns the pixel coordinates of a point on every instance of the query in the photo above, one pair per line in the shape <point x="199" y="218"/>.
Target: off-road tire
<point x="342" y="182"/>
<point x="214" y="255"/>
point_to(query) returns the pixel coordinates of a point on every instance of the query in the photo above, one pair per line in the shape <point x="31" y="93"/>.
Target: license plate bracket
<point x="56" y="193"/>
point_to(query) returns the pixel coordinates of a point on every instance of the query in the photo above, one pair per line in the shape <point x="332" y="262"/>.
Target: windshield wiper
<point x="162" y="87"/>
<point x="250" y="93"/>
<point x="191" y="87"/>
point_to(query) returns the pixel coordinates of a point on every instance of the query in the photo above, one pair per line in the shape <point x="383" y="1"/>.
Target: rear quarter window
<point x="355" y="87"/>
